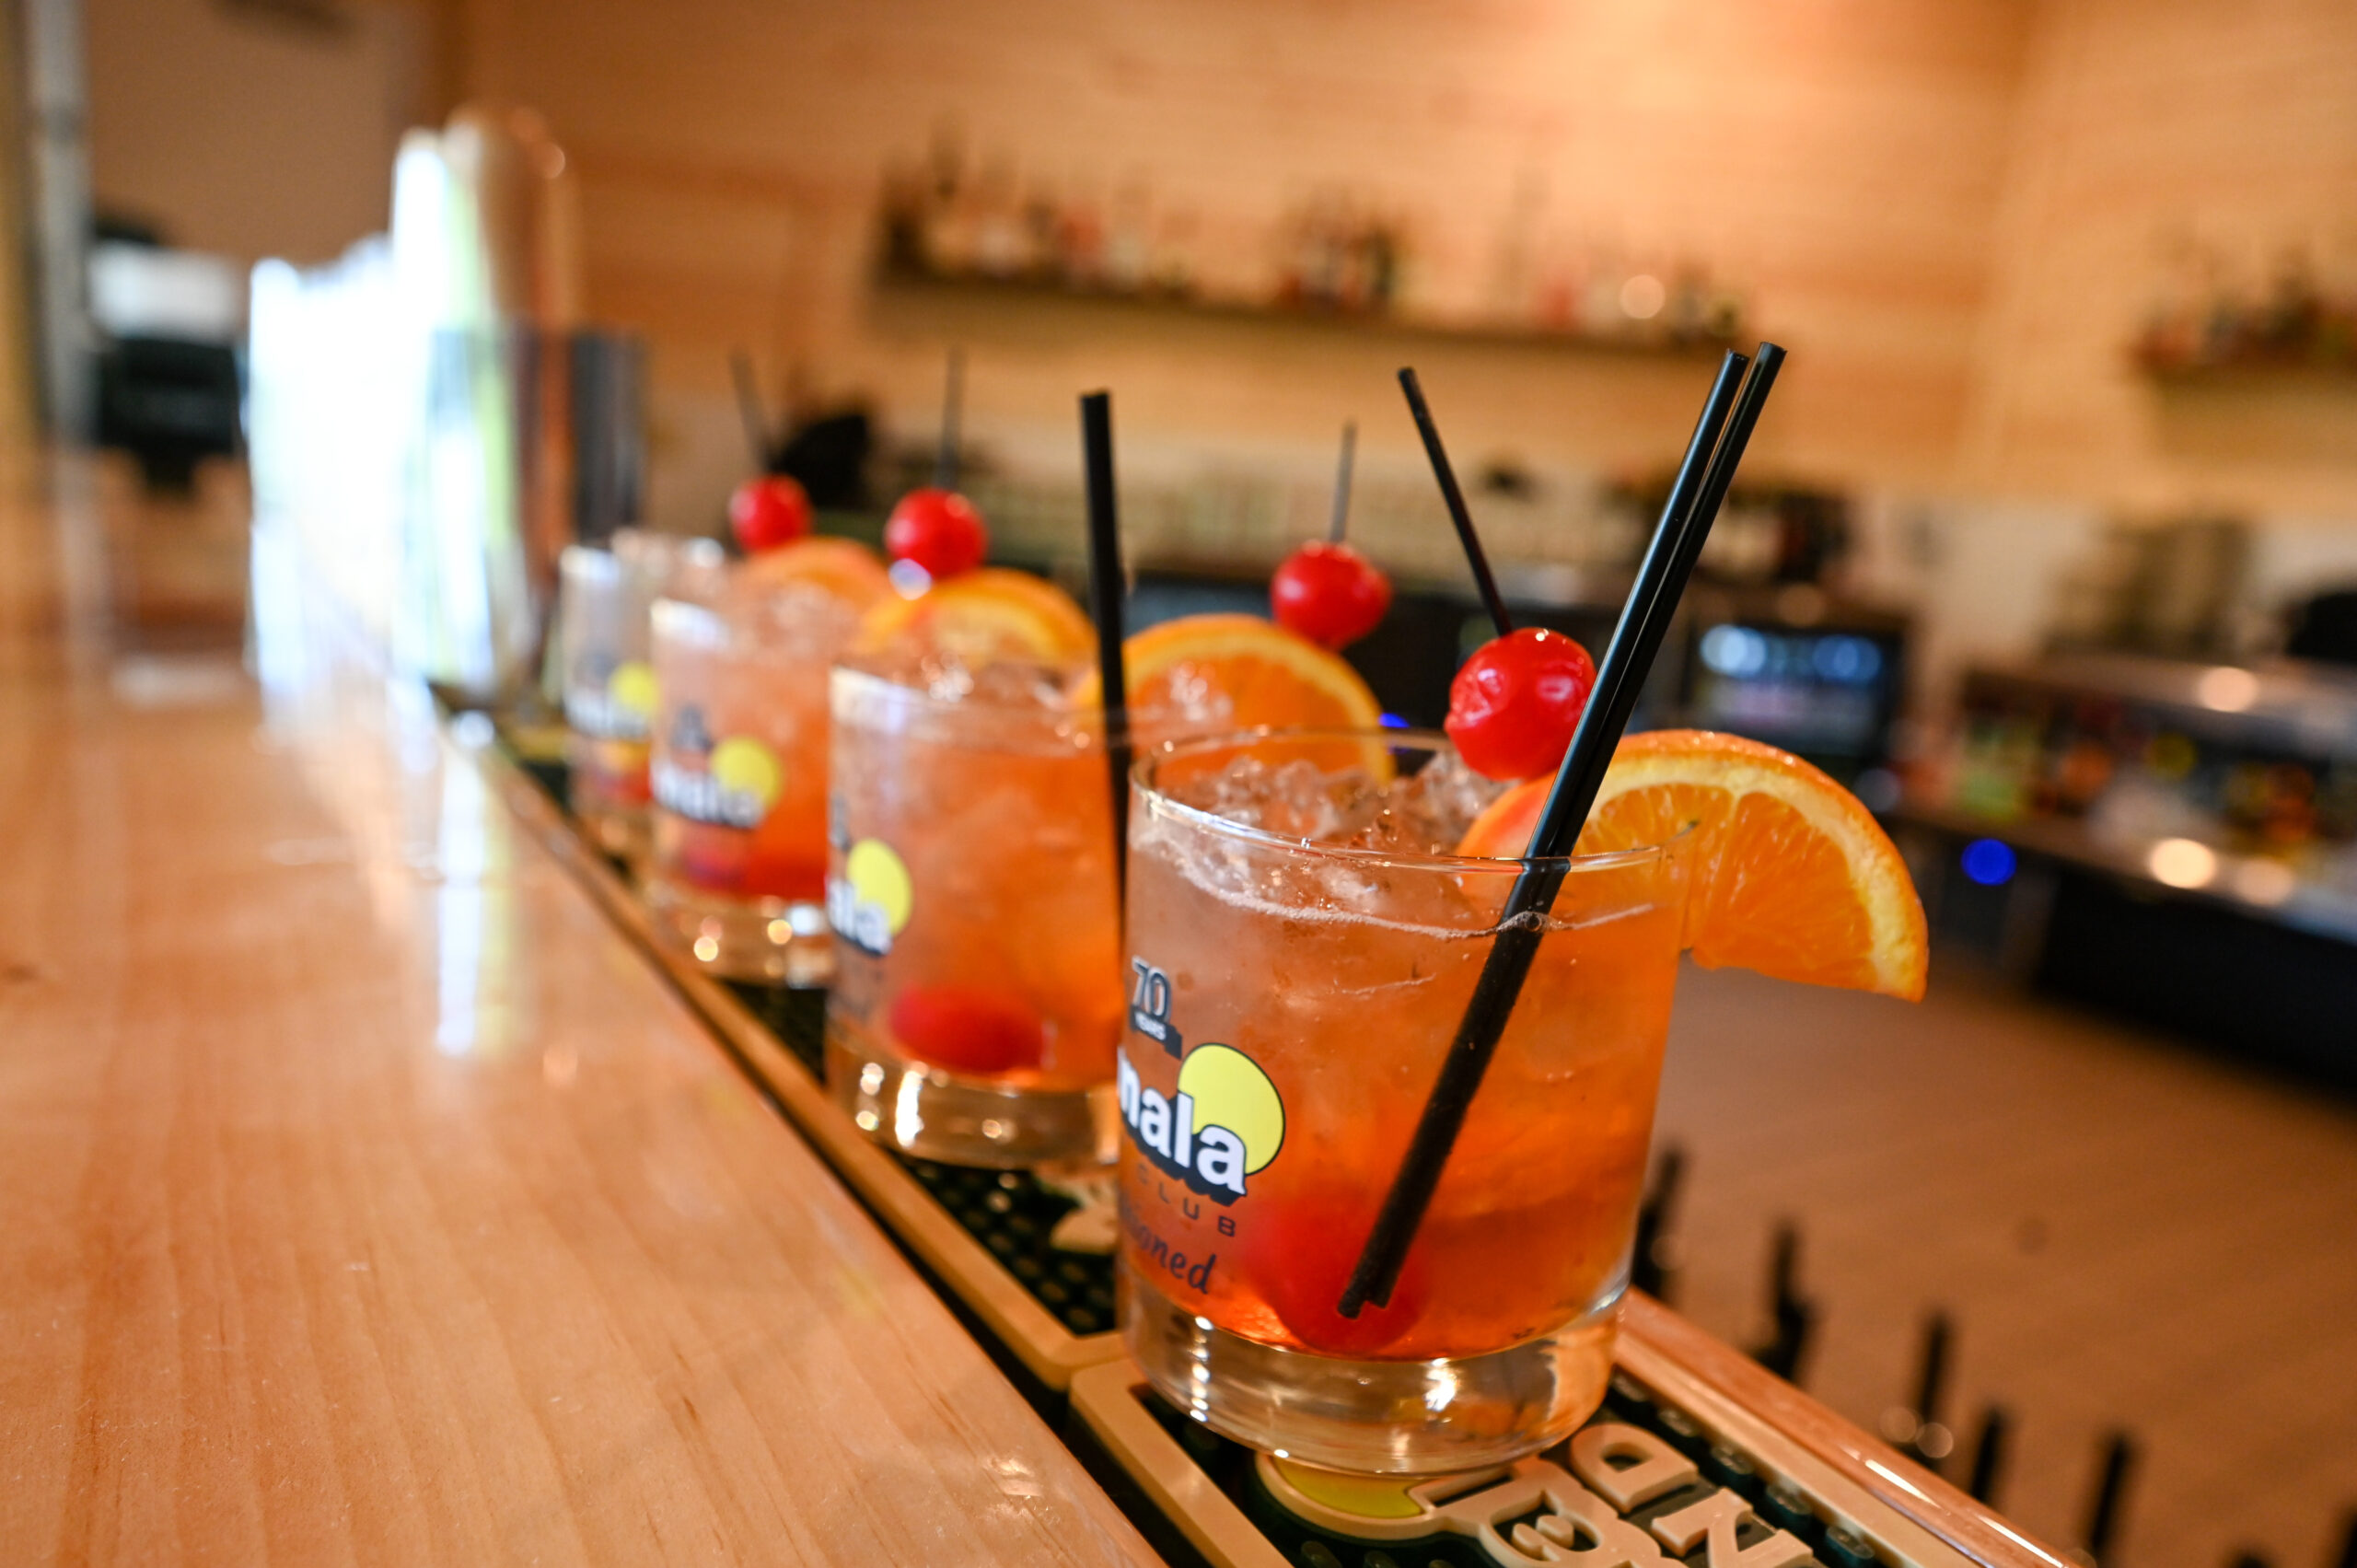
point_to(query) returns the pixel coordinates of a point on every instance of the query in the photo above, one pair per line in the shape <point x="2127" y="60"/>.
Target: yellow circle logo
<point x="880" y="879"/>
<point x="631" y="687"/>
<point x="1229" y="1090"/>
<point x="746" y="768"/>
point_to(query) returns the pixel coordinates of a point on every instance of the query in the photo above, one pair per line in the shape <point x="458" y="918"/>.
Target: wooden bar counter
<point x="370" y="1193"/>
<point x="368" y="1199"/>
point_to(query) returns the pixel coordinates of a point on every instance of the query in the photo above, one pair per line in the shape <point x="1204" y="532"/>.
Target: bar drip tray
<point x="1644" y="1484"/>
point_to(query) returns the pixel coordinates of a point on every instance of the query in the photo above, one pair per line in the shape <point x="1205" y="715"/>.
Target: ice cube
<point x="1234" y="792"/>
<point x="1311" y="804"/>
<point x="1435" y="805"/>
<point x="951" y="674"/>
<point x="1344" y="808"/>
<point x="1294" y="800"/>
<point x="792" y="618"/>
<point x="905" y="661"/>
<point x="950" y="659"/>
<point x="942" y="675"/>
<point x="1192" y="702"/>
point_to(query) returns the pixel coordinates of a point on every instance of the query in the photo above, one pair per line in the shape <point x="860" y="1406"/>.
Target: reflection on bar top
<point x="368" y="1192"/>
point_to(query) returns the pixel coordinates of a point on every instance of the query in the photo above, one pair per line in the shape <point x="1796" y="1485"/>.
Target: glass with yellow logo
<point x="603" y="599"/>
<point x="737" y="872"/>
<point x="977" y="991"/>
<point x="1303" y="942"/>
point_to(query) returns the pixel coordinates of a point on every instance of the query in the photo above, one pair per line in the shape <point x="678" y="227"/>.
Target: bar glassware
<point x="978" y="990"/>
<point x="738" y="777"/>
<point x="1291" y="1003"/>
<point x="608" y="675"/>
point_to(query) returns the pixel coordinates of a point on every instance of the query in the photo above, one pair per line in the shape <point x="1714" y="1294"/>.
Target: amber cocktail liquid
<point x="1301" y="948"/>
<point x="603" y="599"/>
<point x="978" y="990"/>
<point x="739" y="774"/>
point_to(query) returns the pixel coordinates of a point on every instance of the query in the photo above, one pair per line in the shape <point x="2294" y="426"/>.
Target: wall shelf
<point x="2256" y="374"/>
<point x="909" y="282"/>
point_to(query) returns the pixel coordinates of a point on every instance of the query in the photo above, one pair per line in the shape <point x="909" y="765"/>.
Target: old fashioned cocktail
<point x="608" y="675"/>
<point x="977" y="994"/>
<point x="1302" y="943"/>
<point x="972" y="886"/>
<point x="739" y="775"/>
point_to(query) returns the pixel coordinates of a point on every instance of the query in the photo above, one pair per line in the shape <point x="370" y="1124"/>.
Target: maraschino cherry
<point x="1514" y="705"/>
<point x="937" y="529"/>
<point x="1306" y="1251"/>
<point x="969" y="1028"/>
<point x="1327" y="591"/>
<point x="768" y="511"/>
<point x="1330" y="593"/>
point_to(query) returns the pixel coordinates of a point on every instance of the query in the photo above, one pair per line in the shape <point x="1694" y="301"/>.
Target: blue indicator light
<point x="1989" y="862"/>
<point x="1847" y="661"/>
<point x="1392" y="720"/>
<point x="1738" y="651"/>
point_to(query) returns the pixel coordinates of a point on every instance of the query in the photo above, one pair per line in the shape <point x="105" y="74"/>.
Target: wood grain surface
<point x="952" y="1254"/>
<point x="367" y="1199"/>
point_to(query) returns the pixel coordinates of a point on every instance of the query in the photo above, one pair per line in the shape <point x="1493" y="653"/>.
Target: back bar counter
<point x="379" y="1192"/>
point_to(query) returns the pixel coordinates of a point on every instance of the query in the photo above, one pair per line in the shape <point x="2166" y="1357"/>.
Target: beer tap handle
<point x="1932" y="1442"/>
<point x="1932" y="1374"/>
<point x="1653" y="1266"/>
<point x="1792" y="1317"/>
<point x="1989" y="1452"/>
<point x="2111" y="1488"/>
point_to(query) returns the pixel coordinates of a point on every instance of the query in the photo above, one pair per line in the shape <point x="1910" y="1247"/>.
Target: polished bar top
<point x="368" y="1199"/>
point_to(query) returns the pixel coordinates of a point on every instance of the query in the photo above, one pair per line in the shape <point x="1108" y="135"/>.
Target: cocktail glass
<point x="603" y="599"/>
<point x="738" y="775"/>
<point x="978" y="993"/>
<point x="1290" y="1003"/>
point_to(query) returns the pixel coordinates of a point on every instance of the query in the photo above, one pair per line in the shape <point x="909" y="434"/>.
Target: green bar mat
<point x="1545" y="1534"/>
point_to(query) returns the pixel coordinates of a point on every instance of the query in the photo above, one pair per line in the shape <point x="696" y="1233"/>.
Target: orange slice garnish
<point x="990" y="614"/>
<point x="1792" y="877"/>
<point x="1203" y="673"/>
<point x="843" y="567"/>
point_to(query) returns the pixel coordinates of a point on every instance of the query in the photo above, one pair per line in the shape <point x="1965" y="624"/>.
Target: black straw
<point x="1644" y="621"/>
<point x="1340" y="524"/>
<point x="1492" y="600"/>
<point x="1686" y="521"/>
<point x="1105" y="585"/>
<point x="953" y="405"/>
<point x="750" y="410"/>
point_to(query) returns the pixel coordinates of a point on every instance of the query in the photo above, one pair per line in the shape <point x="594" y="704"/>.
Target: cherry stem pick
<point x="1341" y="521"/>
<point x="1492" y="600"/>
<point x="750" y="410"/>
<point x="1693" y="505"/>
<point x="953" y="405"/>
